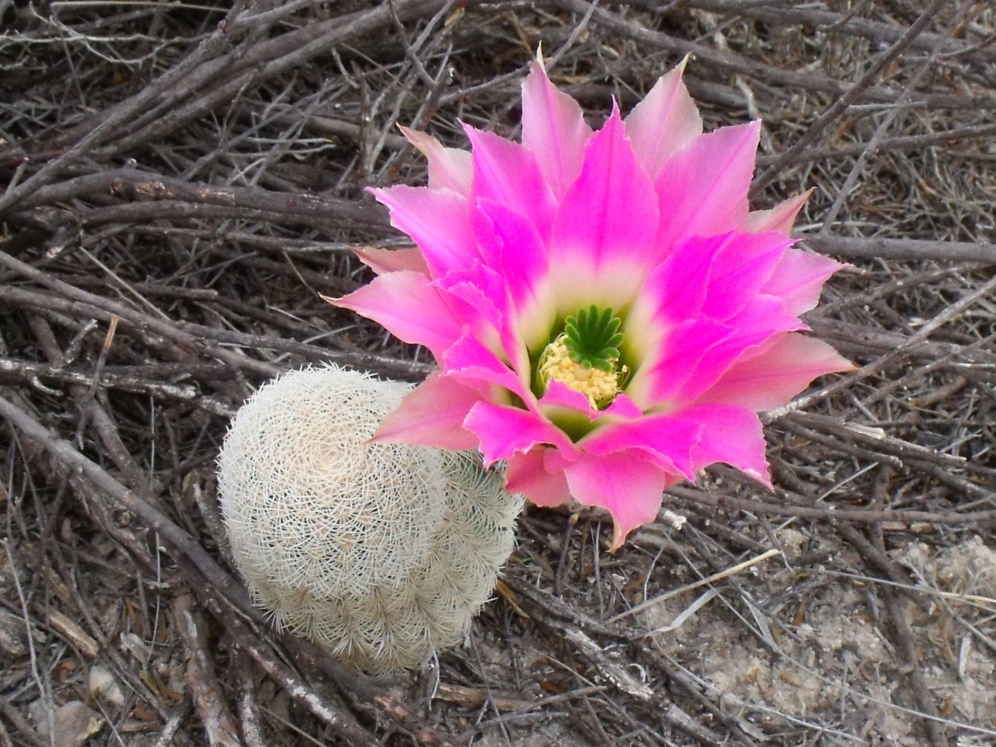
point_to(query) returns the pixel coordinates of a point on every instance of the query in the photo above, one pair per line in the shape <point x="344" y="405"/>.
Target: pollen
<point x="600" y="387"/>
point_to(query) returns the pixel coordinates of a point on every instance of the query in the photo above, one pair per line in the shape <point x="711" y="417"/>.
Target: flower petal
<point x="703" y="188"/>
<point x="392" y="260"/>
<point x="609" y="215"/>
<point x="798" y="279"/>
<point x="765" y="317"/>
<point x="512" y="246"/>
<point x="432" y="415"/>
<point x="437" y="221"/>
<point x="731" y="435"/>
<point x="507" y="173"/>
<point x="630" y="488"/>
<point x="779" y="370"/>
<point x="673" y="360"/>
<point x="553" y="129"/>
<point x="779" y="218"/>
<point x="409" y="307"/>
<point x="664" y="122"/>
<point x="741" y="267"/>
<point x="449" y="168"/>
<point x="526" y="473"/>
<point x="669" y="439"/>
<point x="470" y="362"/>
<point x="504" y="431"/>
<point x="477" y="296"/>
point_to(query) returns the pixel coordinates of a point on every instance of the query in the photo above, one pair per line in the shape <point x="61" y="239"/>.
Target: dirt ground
<point x="180" y="183"/>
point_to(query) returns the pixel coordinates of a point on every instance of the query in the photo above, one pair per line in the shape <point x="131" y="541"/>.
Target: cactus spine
<point x="382" y="553"/>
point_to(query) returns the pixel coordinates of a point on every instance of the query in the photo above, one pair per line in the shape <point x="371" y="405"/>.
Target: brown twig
<point x="201" y="680"/>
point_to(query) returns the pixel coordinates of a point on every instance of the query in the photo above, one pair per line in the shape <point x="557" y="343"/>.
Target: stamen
<point x="598" y="385"/>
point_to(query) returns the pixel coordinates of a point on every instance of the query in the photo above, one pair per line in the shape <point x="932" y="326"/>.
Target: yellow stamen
<point x="600" y="387"/>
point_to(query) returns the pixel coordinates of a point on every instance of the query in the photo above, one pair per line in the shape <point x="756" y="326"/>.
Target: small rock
<point x="104" y="686"/>
<point x="71" y="725"/>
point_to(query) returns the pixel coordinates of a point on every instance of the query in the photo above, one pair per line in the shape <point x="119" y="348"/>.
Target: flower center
<point x="585" y="357"/>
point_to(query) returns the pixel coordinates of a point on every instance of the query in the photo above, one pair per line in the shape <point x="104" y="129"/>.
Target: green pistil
<point x="593" y="339"/>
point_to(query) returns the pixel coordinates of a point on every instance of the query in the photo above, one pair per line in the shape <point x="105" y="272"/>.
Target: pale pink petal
<point x="779" y="218"/>
<point x="553" y="129"/>
<point x="449" y="168"/>
<point x="432" y="415"/>
<point x="527" y="474"/>
<point x="799" y="277"/>
<point x="437" y="220"/>
<point x="740" y="269"/>
<point x="410" y="308"/>
<point x="731" y="435"/>
<point x="779" y="370"/>
<point x="392" y="260"/>
<point x="703" y="188"/>
<point x="664" y="122"/>
<point x="504" y="431"/>
<point x="610" y="212"/>
<point x="668" y="439"/>
<point x="628" y="487"/>
<point x="507" y="173"/>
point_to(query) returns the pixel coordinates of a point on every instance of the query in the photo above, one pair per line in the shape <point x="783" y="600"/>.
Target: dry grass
<point x="183" y="180"/>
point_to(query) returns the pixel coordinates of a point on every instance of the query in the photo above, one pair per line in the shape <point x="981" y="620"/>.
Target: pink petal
<point x="477" y="296"/>
<point x="507" y="173"/>
<point x="673" y="361"/>
<point x="449" y="168"/>
<point x="504" y="431"/>
<point x="731" y="435"/>
<point x="527" y="474"/>
<point x="392" y="260"/>
<point x="628" y="487"/>
<point x="609" y="215"/>
<point x="762" y="319"/>
<point x="622" y="407"/>
<point x="779" y="218"/>
<point x="673" y="291"/>
<point x="664" y="122"/>
<point x="799" y="277"/>
<point x="741" y="267"/>
<point x="559" y="394"/>
<point x="553" y="129"/>
<point x="514" y="249"/>
<point x="437" y="220"/>
<point x="669" y="439"/>
<point x="779" y="370"/>
<point x="703" y="188"/>
<point x="410" y="308"/>
<point x="432" y="415"/>
<point x="469" y="361"/>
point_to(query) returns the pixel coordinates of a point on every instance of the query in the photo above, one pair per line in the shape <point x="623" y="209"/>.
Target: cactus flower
<point x="607" y="314"/>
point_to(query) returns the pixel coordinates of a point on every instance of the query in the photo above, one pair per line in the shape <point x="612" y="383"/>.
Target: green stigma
<point x="592" y="338"/>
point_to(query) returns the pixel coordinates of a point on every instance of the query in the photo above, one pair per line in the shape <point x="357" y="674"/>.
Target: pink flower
<point x="607" y="314"/>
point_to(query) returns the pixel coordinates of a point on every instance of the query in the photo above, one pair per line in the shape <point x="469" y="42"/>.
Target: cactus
<point x="381" y="553"/>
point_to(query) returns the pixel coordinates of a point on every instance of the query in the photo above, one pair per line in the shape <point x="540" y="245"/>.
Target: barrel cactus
<point x="381" y="553"/>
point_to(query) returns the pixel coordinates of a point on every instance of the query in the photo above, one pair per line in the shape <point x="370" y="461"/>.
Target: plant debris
<point x="181" y="182"/>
